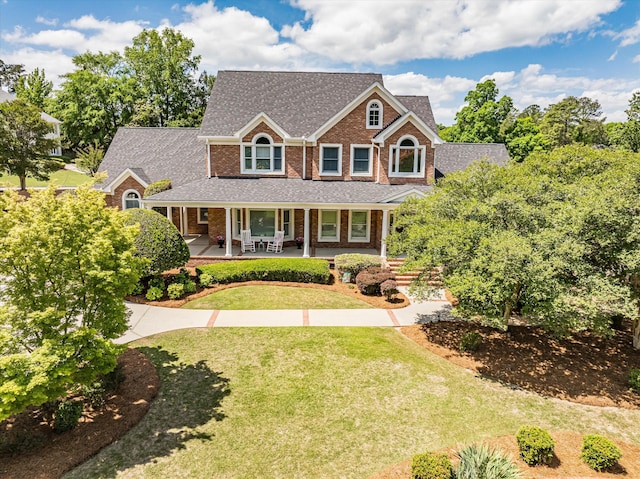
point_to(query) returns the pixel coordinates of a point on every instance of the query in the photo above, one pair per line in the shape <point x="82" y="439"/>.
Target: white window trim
<point x="292" y="225"/>
<point x="331" y="173"/>
<point x="200" y="222"/>
<point x="329" y="239"/>
<point x="366" y="239"/>
<point x="394" y="157"/>
<point x="124" y="198"/>
<point x="380" y="107"/>
<point x="237" y="234"/>
<point x="253" y="145"/>
<point x="360" y="173"/>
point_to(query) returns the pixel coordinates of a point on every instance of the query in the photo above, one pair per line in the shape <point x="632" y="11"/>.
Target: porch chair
<point x="247" y="242"/>
<point x="275" y="246"/>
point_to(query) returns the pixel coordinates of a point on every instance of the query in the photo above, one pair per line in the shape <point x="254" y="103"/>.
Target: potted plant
<point x="299" y="241"/>
<point x="220" y="240"/>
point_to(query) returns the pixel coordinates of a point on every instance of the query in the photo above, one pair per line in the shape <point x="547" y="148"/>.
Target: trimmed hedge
<point x="157" y="187"/>
<point x="370" y="280"/>
<point x="354" y="263"/>
<point x="297" y="270"/>
<point x="535" y="444"/>
<point x="634" y="379"/>
<point x="431" y="466"/>
<point x="599" y="453"/>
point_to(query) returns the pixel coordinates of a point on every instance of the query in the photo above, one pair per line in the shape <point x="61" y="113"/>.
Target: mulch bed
<point x="50" y="455"/>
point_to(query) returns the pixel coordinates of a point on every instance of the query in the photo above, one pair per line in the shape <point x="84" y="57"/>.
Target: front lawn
<point x="61" y="178"/>
<point x="275" y="297"/>
<point x="319" y="402"/>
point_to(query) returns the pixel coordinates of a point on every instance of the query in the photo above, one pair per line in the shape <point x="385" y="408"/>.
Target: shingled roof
<point x="284" y="191"/>
<point x="450" y="157"/>
<point x="156" y="154"/>
<point x="299" y="102"/>
<point x="421" y="106"/>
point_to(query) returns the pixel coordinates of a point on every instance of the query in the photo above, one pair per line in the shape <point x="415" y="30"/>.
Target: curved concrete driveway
<point x="149" y="320"/>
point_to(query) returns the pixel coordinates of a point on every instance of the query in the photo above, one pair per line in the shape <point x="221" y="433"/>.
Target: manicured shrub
<point x="599" y="453"/>
<point x="470" y="342"/>
<point x="370" y="279"/>
<point x="634" y="379"/>
<point x="182" y="277"/>
<point x="479" y="461"/>
<point x="175" y="290"/>
<point x="389" y="288"/>
<point x="431" y="466"/>
<point x="157" y="282"/>
<point x="138" y="288"/>
<point x="354" y="263"/>
<point x="157" y="187"/>
<point x="297" y="270"/>
<point x="206" y="280"/>
<point x="190" y="287"/>
<point x="159" y="241"/>
<point x="67" y="415"/>
<point x="154" y="294"/>
<point x="95" y="394"/>
<point x="535" y="444"/>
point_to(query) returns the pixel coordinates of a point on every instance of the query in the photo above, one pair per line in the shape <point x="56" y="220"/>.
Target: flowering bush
<point x="300" y="239"/>
<point x="220" y="238"/>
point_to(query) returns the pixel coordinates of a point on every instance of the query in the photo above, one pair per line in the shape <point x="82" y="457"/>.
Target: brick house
<point x="324" y="156"/>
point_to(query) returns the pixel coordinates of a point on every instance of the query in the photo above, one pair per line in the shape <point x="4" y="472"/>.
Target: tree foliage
<point x="90" y="158"/>
<point x="24" y="146"/>
<point x="159" y="241"/>
<point x="34" y="88"/>
<point x="9" y="75"/>
<point x="574" y="120"/>
<point x="555" y="239"/>
<point x="631" y="133"/>
<point x="66" y="262"/>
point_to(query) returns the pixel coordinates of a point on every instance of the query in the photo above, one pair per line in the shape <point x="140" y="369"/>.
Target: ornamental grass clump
<point x="431" y="466"/>
<point x="535" y="444"/>
<point x="599" y="453"/>
<point x="481" y="462"/>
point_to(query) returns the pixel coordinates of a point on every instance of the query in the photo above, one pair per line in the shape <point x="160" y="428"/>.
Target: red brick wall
<point x="408" y="129"/>
<point x="115" y="200"/>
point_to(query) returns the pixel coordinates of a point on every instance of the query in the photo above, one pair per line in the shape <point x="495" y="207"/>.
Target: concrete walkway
<point x="149" y="320"/>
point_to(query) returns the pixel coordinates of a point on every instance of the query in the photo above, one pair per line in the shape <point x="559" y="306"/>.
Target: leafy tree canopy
<point x="555" y="239"/>
<point x="34" y="88"/>
<point x="66" y="262"/>
<point x="24" y="146"/>
<point x="90" y="158"/>
<point x="574" y="120"/>
<point x="9" y="75"/>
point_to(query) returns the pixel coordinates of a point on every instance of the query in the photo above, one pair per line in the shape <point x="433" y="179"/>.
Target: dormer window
<point x="374" y="114"/>
<point x="262" y="156"/>
<point x="407" y="158"/>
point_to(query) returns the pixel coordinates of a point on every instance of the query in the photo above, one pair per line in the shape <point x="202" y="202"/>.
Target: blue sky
<point x="538" y="51"/>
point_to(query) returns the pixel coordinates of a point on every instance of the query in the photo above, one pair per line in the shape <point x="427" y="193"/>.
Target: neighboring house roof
<point x="285" y="191"/>
<point x="5" y="96"/>
<point x="300" y="102"/>
<point x="450" y="157"/>
<point x="155" y="154"/>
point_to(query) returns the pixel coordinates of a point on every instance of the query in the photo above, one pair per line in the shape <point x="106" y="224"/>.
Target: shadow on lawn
<point x="190" y="396"/>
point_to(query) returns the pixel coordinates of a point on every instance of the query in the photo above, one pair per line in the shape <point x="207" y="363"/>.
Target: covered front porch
<point x="200" y="247"/>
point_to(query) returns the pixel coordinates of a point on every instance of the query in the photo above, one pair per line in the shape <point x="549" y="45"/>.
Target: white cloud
<point x="636" y="59"/>
<point x="630" y="36"/>
<point x="387" y="32"/>
<point x="46" y="21"/>
<point x="613" y="56"/>
<point x="54" y="63"/>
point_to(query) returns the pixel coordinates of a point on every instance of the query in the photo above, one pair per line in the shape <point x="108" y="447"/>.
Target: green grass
<point x="276" y="297"/>
<point x="60" y="177"/>
<point x="318" y="403"/>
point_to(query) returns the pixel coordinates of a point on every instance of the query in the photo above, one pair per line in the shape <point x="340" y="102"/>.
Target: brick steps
<point x="405" y="278"/>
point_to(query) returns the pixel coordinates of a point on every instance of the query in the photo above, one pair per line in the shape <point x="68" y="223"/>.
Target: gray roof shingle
<point x="299" y="102"/>
<point x="156" y="154"/>
<point x="283" y="190"/>
<point x="450" y="157"/>
<point x="421" y="106"/>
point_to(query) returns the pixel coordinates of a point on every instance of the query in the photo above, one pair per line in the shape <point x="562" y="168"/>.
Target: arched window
<point x="262" y="156"/>
<point x="406" y="158"/>
<point x="374" y="114"/>
<point x="130" y="199"/>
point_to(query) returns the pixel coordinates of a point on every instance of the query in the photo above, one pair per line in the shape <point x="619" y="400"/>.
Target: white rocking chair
<point x="275" y="246"/>
<point x="247" y="242"/>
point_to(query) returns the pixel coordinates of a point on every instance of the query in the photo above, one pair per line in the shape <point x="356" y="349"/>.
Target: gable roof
<point x="421" y="106"/>
<point x="300" y="102"/>
<point x="450" y="157"/>
<point x="155" y="154"/>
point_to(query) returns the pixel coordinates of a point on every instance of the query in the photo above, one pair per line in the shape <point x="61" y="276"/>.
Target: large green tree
<point x="574" y="120"/>
<point x="66" y="263"/>
<point x="631" y="133"/>
<point x="164" y="67"/>
<point x="555" y="239"/>
<point x="24" y="145"/>
<point x="34" y="88"/>
<point x="9" y="74"/>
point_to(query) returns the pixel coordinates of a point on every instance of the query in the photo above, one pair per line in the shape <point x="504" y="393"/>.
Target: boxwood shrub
<point x="67" y="415"/>
<point x="634" y="379"/>
<point x="175" y="291"/>
<point x="599" y="453"/>
<point x="431" y="466"/>
<point x="297" y="270"/>
<point x="355" y="262"/>
<point x="535" y="444"/>
<point x="157" y="187"/>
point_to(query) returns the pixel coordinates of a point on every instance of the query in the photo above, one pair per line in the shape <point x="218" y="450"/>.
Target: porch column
<point x="305" y="253"/>
<point x="227" y="223"/>
<point x="185" y="222"/>
<point x="169" y="215"/>
<point x="385" y="232"/>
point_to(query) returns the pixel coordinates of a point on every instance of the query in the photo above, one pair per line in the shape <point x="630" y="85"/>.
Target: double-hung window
<point x="330" y="160"/>
<point x="359" y="222"/>
<point x="329" y="225"/>
<point x="203" y="216"/>
<point x="262" y="156"/>
<point x="407" y="158"/>
<point x="361" y="160"/>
